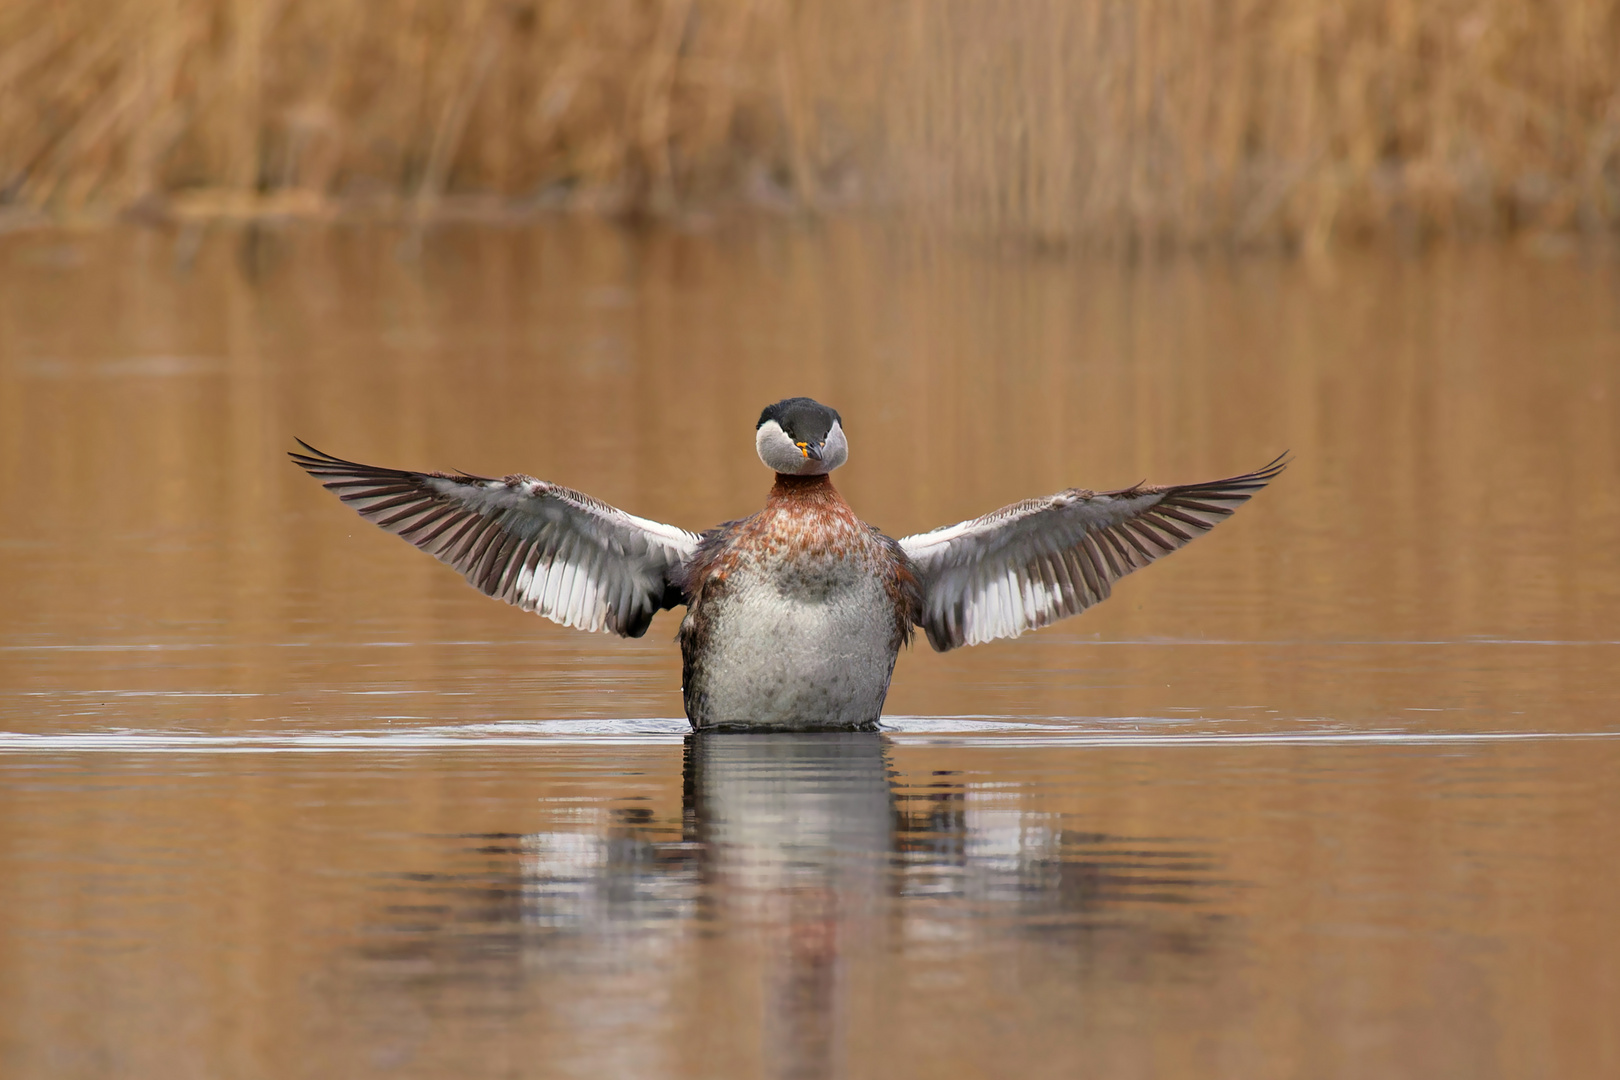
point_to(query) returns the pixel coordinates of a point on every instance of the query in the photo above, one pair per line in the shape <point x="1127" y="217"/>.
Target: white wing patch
<point x="539" y="546"/>
<point x="1030" y="564"/>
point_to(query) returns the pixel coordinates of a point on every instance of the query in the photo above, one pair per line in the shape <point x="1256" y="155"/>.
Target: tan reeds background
<point x="1112" y="122"/>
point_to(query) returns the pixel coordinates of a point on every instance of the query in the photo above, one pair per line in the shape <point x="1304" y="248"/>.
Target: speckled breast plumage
<point x="795" y="616"/>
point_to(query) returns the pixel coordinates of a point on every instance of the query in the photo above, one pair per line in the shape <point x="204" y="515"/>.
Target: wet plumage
<point x="795" y="615"/>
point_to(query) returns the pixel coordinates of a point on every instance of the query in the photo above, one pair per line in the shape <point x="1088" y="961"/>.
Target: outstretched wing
<point x="542" y="547"/>
<point x="1035" y="562"/>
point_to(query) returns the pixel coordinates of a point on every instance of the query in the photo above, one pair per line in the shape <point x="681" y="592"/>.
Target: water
<point x="1327" y="794"/>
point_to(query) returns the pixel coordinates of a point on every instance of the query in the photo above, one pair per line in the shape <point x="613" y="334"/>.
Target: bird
<point x="795" y="615"/>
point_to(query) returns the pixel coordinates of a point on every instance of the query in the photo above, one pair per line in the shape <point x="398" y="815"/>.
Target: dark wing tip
<point x="319" y="463"/>
<point x="1241" y="485"/>
<point x="1271" y="469"/>
<point x="1262" y="475"/>
<point x="312" y="457"/>
<point x="319" y="458"/>
<point x="1243" y="482"/>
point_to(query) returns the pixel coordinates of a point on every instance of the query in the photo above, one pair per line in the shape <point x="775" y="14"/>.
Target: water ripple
<point x="949" y="730"/>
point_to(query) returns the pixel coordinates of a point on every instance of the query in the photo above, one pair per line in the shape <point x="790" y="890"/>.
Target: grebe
<point x="794" y="616"/>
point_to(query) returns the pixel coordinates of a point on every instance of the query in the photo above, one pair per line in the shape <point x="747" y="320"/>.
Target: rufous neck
<point x="789" y="486"/>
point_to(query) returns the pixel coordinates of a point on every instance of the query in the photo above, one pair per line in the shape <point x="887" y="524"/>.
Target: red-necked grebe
<point x="794" y="616"/>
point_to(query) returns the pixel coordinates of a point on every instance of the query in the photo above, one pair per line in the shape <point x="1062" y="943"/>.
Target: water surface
<point x="1327" y="794"/>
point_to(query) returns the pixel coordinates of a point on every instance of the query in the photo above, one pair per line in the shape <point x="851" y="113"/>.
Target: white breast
<point x="802" y="643"/>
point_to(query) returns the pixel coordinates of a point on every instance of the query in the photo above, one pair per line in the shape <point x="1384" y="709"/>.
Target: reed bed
<point x="1116" y="123"/>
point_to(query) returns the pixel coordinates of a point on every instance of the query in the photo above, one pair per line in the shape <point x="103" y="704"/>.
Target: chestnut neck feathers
<point x="814" y="488"/>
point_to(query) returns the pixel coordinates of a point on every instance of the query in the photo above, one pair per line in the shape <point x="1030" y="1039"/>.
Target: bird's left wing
<point x="542" y="547"/>
<point x="1035" y="562"/>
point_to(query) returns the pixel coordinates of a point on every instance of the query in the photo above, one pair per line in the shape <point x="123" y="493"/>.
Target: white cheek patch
<point x="777" y="451"/>
<point x="836" y="452"/>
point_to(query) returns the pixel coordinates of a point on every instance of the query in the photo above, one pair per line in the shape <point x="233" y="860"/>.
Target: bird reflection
<point x="799" y="868"/>
<point x="796" y="828"/>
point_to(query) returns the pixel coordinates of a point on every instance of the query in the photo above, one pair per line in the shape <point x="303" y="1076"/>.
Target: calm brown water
<point x="1331" y="793"/>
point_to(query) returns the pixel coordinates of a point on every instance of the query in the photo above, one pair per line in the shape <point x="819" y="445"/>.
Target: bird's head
<point x="800" y="437"/>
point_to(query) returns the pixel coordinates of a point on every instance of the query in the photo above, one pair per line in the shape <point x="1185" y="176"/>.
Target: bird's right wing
<point x="540" y="546"/>
<point x="1035" y="562"/>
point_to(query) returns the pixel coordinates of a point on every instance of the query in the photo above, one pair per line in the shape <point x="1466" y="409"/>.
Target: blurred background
<point x="1324" y="795"/>
<point x="1127" y="126"/>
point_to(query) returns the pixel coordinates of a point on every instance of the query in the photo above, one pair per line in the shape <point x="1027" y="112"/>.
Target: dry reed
<point x="1113" y="122"/>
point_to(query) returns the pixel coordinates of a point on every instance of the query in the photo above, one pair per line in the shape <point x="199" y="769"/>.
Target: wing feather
<point x="1029" y="564"/>
<point x="577" y="594"/>
<point x="557" y="575"/>
<point x="1106" y="547"/>
<point x="512" y="568"/>
<point x="538" y="546"/>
